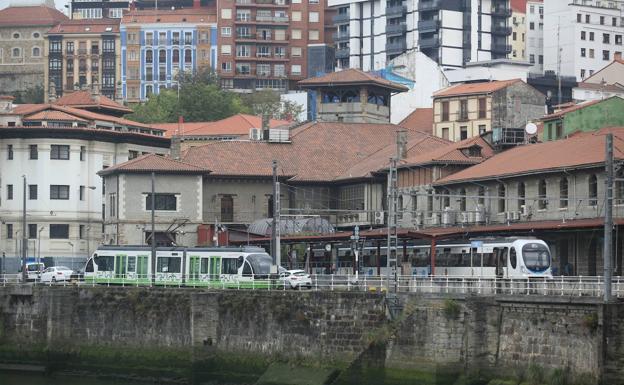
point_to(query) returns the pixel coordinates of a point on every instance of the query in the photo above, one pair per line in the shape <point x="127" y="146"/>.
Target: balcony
<point x="396" y="29"/>
<point x="395" y="11"/>
<point x="341" y="18"/>
<point x="501" y="48"/>
<point x="342" y="53"/>
<point x="82" y="69"/>
<point x="426" y="6"/>
<point x="149" y="41"/>
<point x="501" y="12"/>
<point x="68" y="53"/>
<point x="428" y="25"/>
<point x="95" y="51"/>
<point x="95" y="68"/>
<point x="396" y="47"/>
<point x="341" y="36"/>
<point x="82" y="51"/>
<point x="430" y="42"/>
<point x="244" y="72"/>
<point x="501" y="30"/>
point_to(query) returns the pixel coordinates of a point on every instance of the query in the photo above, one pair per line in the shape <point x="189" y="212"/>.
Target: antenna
<point x="558" y="62"/>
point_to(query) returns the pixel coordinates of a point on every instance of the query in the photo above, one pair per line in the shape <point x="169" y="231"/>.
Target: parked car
<point x="296" y="279"/>
<point x="33" y="269"/>
<point x="56" y="274"/>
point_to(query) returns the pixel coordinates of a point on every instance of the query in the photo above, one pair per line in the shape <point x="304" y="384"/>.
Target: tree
<point x="269" y="102"/>
<point x="161" y="108"/>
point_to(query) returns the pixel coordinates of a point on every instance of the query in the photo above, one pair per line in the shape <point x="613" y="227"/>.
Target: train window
<point x="89" y="267"/>
<point x="229" y="266"/>
<point x="204" y="265"/>
<point x="168" y="265"/>
<point x="536" y="256"/>
<point x="241" y="259"/>
<point x="105" y="262"/>
<point x="247" y="270"/>
<point x="261" y="263"/>
<point x="513" y="259"/>
<point x="131" y="264"/>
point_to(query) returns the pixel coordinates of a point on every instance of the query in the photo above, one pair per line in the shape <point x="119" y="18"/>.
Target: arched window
<point x="36" y="52"/>
<point x="593" y="190"/>
<point x="175" y="56"/>
<point x="481" y="194"/>
<point x="541" y="193"/>
<point x="149" y="56"/>
<point x="188" y="56"/>
<point x="462" y="199"/>
<point x="162" y="56"/>
<point x="521" y="195"/>
<point x="16" y="52"/>
<point x="501" y="198"/>
<point x="563" y="193"/>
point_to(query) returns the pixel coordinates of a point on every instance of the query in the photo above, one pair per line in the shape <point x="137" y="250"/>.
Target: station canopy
<point x="292" y="226"/>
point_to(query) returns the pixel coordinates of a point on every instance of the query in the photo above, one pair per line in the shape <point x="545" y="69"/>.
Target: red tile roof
<point x="575" y="107"/>
<point x="186" y="15"/>
<point x="319" y="151"/>
<point x="454" y="152"/>
<point x="52" y="115"/>
<point x="86" y="26"/>
<point x="154" y="163"/>
<point x="419" y="120"/>
<point x="475" y="88"/>
<point x="85" y="99"/>
<point x="518" y="6"/>
<point x="350" y="76"/>
<point x="39" y="15"/>
<point x="617" y="87"/>
<point x="583" y="149"/>
<point x="238" y="125"/>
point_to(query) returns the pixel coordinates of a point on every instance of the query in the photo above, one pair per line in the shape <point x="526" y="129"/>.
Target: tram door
<point x="501" y="261"/>
<point x="141" y="267"/>
<point x="194" y="262"/>
<point x="215" y="268"/>
<point x="120" y="265"/>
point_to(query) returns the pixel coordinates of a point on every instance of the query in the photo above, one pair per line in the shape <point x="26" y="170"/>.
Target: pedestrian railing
<point x="456" y="285"/>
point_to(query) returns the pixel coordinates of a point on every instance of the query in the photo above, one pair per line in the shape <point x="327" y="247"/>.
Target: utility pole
<point x="608" y="221"/>
<point x="275" y="229"/>
<point x="24" y="235"/>
<point x="559" y="96"/>
<point x="391" y="254"/>
<point x="153" y="236"/>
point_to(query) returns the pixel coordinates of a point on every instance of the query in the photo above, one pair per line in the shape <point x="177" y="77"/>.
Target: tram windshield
<point x="261" y="263"/>
<point x="536" y="256"/>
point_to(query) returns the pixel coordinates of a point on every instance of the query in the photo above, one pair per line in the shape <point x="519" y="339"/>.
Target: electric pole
<point x="153" y="236"/>
<point x="24" y="235"/>
<point x="275" y="229"/>
<point x="608" y="221"/>
<point x="391" y="254"/>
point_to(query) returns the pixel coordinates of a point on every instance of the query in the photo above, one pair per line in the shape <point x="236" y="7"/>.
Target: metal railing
<point x="560" y="286"/>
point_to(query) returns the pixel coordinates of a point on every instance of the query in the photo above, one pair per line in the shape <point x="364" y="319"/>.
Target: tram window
<point x="513" y="259"/>
<point x="105" y="262"/>
<point x="229" y="266"/>
<point x="168" y="265"/>
<point x="247" y="270"/>
<point x="89" y="267"/>
<point x="204" y="265"/>
<point x="260" y="263"/>
<point x="241" y="259"/>
<point x="131" y="264"/>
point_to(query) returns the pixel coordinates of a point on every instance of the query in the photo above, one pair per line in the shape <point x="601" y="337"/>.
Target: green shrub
<point x="451" y="309"/>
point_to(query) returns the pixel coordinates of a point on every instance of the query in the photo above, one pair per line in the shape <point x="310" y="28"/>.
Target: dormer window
<point x="473" y="151"/>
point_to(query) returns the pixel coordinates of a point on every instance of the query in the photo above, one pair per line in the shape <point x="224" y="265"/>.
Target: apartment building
<point x="503" y="107"/>
<point x="518" y="30"/>
<point x="157" y="45"/>
<point x="370" y="33"/>
<point x="583" y="35"/>
<point x="22" y="61"/>
<point x="271" y="44"/>
<point x="83" y="54"/>
<point x="534" y="27"/>
<point x="102" y="9"/>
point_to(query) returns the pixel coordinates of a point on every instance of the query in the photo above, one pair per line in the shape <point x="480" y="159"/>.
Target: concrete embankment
<point x="196" y="336"/>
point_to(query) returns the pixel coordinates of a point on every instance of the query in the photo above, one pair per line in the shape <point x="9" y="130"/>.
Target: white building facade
<point x="534" y="39"/>
<point x="583" y="35"/>
<point x="370" y="33"/>
<point x="64" y="194"/>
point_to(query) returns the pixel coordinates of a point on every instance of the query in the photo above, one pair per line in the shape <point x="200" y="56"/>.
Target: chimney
<point x="52" y="93"/>
<point x="617" y="56"/>
<point x="95" y="92"/>
<point x="265" y="125"/>
<point x="176" y="147"/>
<point x="180" y="129"/>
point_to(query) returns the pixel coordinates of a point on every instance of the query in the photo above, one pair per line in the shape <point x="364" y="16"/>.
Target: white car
<point x="296" y="279"/>
<point x="56" y="274"/>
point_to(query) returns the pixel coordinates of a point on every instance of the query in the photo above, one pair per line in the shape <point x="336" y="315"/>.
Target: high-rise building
<point x="582" y="35"/>
<point x="534" y="27"/>
<point x="370" y="33"/>
<point x="518" y="30"/>
<point x="83" y="54"/>
<point x="272" y="44"/>
<point x="102" y="9"/>
<point x="157" y="45"/>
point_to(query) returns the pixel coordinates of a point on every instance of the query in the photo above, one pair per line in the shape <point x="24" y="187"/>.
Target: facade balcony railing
<point x="95" y="68"/>
<point x="149" y="41"/>
<point x="396" y="29"/>
<point x="68" y="53"/>
<point x="82" y="68"/>
<point x="248" y="72"/>
<point x="428" y="25"/>
<point x="501" y="30"/>
<point x="501" y="12"/>
<point x="396" y="10"/>
<point x="396" y="47"/>
<point x="342" y="53"/>
<point x="425" y="6"/>
<point x="501" y="48"/>
<point x="430" y="42"/>
<point x="244" y="36"/>
<point x="82" y="51"/>
<point x="341" y="36"/>
<point x="341" y="18"/>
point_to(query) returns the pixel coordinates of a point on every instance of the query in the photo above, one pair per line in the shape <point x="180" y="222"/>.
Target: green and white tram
<point x="180" y="266"/>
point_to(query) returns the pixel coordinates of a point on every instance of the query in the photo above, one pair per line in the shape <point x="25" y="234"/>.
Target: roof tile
<point x="351" y="76"/>
<point x="154" y="163"/>
<point x="31" y="16"/>
<point x="234" y="125"/>
<point x="85" y="99"/>
<point x="421" y="119"/>
<point x="475" y="88"/>
<point x="87" y="26"/>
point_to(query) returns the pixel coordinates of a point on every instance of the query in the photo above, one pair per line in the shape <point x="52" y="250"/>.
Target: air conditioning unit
<point x="255" y="134"/>
<point x="419" y="218"/>
<point x="464" y="218"/>
<point x="379" y="217"/>
<point x="448" y="217"/>
<point x="524" y="210"/>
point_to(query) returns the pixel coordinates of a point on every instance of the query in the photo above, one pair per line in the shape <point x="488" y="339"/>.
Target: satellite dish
<point x="530" y="129"/>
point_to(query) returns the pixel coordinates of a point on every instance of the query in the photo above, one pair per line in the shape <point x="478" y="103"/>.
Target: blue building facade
<point x="153" y="52"/>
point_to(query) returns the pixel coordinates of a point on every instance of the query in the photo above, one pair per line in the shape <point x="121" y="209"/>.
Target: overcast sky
<point x="60" y="4"/>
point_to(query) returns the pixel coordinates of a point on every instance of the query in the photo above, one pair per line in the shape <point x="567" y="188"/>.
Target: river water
<point x="11" y="378"/>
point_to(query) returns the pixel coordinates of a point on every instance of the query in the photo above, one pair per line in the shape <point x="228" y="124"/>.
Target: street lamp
<point x="39" y="245"/>
<point x="88" y="228"/>
<point x="72" y="254"/>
